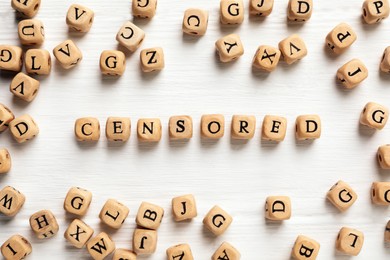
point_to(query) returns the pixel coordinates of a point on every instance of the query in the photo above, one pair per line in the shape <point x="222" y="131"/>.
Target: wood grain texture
<point x="235" y="175"/>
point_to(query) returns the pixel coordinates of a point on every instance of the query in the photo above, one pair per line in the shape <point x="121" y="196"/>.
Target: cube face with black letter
<point x="278" y="208"/>
<point x="342" y="196"/>
<point x="305" y="248"/>
<point x="16" y="247"/>
<point x="307" y="127"/>
<point x="100" y="246"/>
<point x="375" y="11"/>
<point x="11" y="201"/>
<point x="118" y="129"/>
<point x="79" y="18"/>
<point x="274" y="128"/>
<point x="374" y="116"/>
<point x="231" y="11"/>
<point x="44" y="224"/>
<point x="78" y="233"/>
<point x="195" y="22"/>
<point x="149" y="216"/>
<point x="27" y="8"/>
<point x="23" y="128"/>
<point x="114" y="213"/>
<point x="350" y="241"/>
<point x="217" y="221"/>
<point x="299" y="10"/>
<point x="77" y="201"/>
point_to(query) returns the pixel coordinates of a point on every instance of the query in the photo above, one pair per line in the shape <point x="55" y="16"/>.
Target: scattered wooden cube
<point x="5" y="161"/>
<point x="67" y="54"/>
<point x="118" y="129"/>
<point x="78" y="233"/>
<point x="114" y="213"/>
<point x="184" y="207"/>
<point x="299" y="10"/>
<point x="11" y="58"/>
<point x="274" y="128"/>
<point x="124" y="254"/>
<point x="195" y="21"/>
<point x="305" y="248"/>
<point x="16" y="247"/>
<point x="374" y="116"/>
<point x="24" y="87"/>
<point x="375" y="11"/>
<point x="278" y="208"/>
<point x="44" y="224"/>
<point x="23" y="128"/>
<point x="31" y="32"/>
<point x="77" y="201"/>
<point x="144" y="8"/>
<point x="243" y="127"/>
<point x="180" y="127"/>
<point x="79" y="18"/>
<point x="293" y="48"/>
<point x="226" y="251"/>
<point x="387" y="232"/>
<point x="130" y="36"/>
<point x="6" y="116"/>
<point x="87" y="129"/>
<point x="149" y="129"/>
<point x="213" y="126"/>
<point x="383" y="156"/>
<point x="229" y="47"/>
<point x="350" y="241"/>
<point x="144" y="241"/>
<point x="352" y="73"/>
<point x="342" y="196"/>
<point x="217" y="220"/>
<point x="181" y="251"/>
<point x="266" y="58"/>
<point x="385" y="62"/>
<point x="380" y="193"/>
<point x="100" y="246"/>
<point x="341" y="38"/>
<point x="152" y="59"/>
<point x="261" y="8"/>
<point x="27" y="8"/>
<point x="308" y="127"/>
<point x="231" y="11"/>
<point x="11" y="201"/>
<point x="112" y="63"/>
<point x="149" y="216"/>
<point x="38" y="62"/>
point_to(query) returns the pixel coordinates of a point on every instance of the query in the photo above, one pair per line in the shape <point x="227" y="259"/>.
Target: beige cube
<point x="229" y="47"/>
<point x="261" y="8"/>
<point x="77" y="201"/>
<point x="31" y="32"/>
<point x="78" y="233"/>
<point x="342" y="196"/>
<point x="231" y="11"/>
<point x="118" y="129"/>
<point x="100" y="246"/>
<point x="87" y="129"/>
<point x="11" y="58"/>
<point x="11" y="201"/>
<point x="212" y="126"/>
<point x="380" y="193"/>
<point x="144" y="241"/>
<point x="144" y="8"/>
<point x="195" y="21"/>
<point x="352" y="73"/>
<point x="38" y="62"/>
<point x="5" y="161"/>
<point x="149" y="129"/>
<point x="226" y="251"/>
<point x="23" y="128"/>
<point x="305" y="248"/>
<point x="67" y="54"/>
<point x="274" y="128"/>
<point x="6" y="116"/>
<point x="341" y="38"/>
<point x="217" y="220"/>
<point x="79" y="18"/>
<point x="44" y="224"/>
<point x="375" y="11"/>
<point x="278" y="208"/>
<point x="374" y="116"/>
<point x="130" y="36"/>
<point x="266" y="58"/>
<point x="308" y="127"/>
<point x="293" y="48"/>
<point x="385" y="62"/>
<point x="124" y="254"/>
<point x="114" y="213"/>
<point x="24" y="87"/>
<point x="149" y="216"/>
<point x="383" y="156"/>
<point x="152" y="59"/>
<point x="181" y="251"/>
<point x="112" y="63"/>
<point x="299" y="10"/>
<point x="243" y="127"/>
<point x="180" y="127"/>
<point x="349" y="241"/>
<point x="27" y="8"/>
<point x="387" y="232"/>
<point x="184" y="207"/>
<point x="16" y="247"/>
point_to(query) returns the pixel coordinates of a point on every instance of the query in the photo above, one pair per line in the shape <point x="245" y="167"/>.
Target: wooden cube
<point x="27" y="8"/>
<point x="130" y="36"/>
<point x="11" y="58"/>
<point x="266" y="58"/>
<point x="77" y="201"/>
<point x="67" y="54"/>
<point x="212" y="126"/>
<point x="149" y="129"/>
<point x="11" y="201"/>
<point x="299" y="10"/>
<point x="44" y="224"/>
<point x="78" y="233"/>
<point x="112" y="63"/>
<point x="385" y="62"/>
<point x="38" y="62"/>
<point x="180" y="127"/>
<point x="308" y="127"/>
<point x="184" y="207"/>
<point x="305" y="248"/>
<point x="195" y="21"/>
<point x="118" y="129"/>
<point x="374" y="116"/>
<point x="278" y="208"/>
<point x="342" y="196"/>
<point x="87" y="129"/>
<point x="229" y="47"/>
<point x="231" y="11"/>
<point x="31" y="32"/>
<point x="144" y="241"/>
<point x="149" y="216"/>
<point x="350" y="241"/>
<point x="23" y="128"/>
<point x="341" y="38"/>
<point x="380" y="193"/>
<point x="152" y="59"/>
<point x="352" y="73"/>
<point x="24" y="87"/>
<point x="5" y="161"/>
<point x="274" y="128"/>
<point x="217" y="221"/>
<point x="293" y="48"/>
<point x="16" y="247"/>
<point x="383" y="156"/>
<point x="375" y="11"/>
<point x="100" y="246"/>
<point x="6" y="116"/>
<point x="114" y="213"/>
<point x="124" y="254"/>
<point x="261" y="8"/>
<point x="144" y="8"/>
<point x="387" y="232"/>
<point x="226" y="251"/>
<point x="243" y="127"/>
<point x="181" y="251"/>
<point x="79" y="18"/>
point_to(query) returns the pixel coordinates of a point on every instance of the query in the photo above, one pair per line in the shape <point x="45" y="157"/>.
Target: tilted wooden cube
<point x="112" y="63"/>
<point x="144" y="8"/>
<point x="180" y="127"/>
<point x="23" y="128"/>
<point x="243" y="127"/>
<point x="11" y="201"/>
<point x="11" y="58"/>
<point x="130" y="36"/>
<point x="31" y="32"/>
<point x="77" y="201"/>
<point x="5" y="161"/>
<point x="24" y="87"/>
<point x="374" y="116"/>
<point x="380" y="193"/>
<point x="6" y="116"/>
<point x="341" y="38"/>
<point x="212" y="126"/>
<point x="226" y="251"/>
<point x="299" y="10"/>
<point x="231" y="11"/>
<point x="144" y="241"/>
<point x="274" y="128"/>
<point x="87" y="129"/>
<point x="375" y="11"/>
<point x="149" y="216"/>
<point x="341" y="195"/>
<point x="118" y="129"/>
<point x="387" y="232"/>
<point x="305" y="248"/>
<point x="16" y="247"/>
<point x="181" y="251"/>
<point x="352" y="73"/>
<point x="261" y="8"/>
<point x="124" y="254"/>
<point x="385" y="62"/>
<point x="217" y="220"/>
<point x="229" y="48"/>
<point x="152" y="59"/>
<point x="293" y="48"/>
<point x="27" y="8"/>
<point x="266" y="58"/>
<point x="350" y="241"/>
<point x="383" y="156"/>
<point x="79" y="18"/>
<point x="44" y="224"/>
<point x="278" y="208"/>
<point x="67" y="54"/>
<point x="100" y="246"/>
<point x="114" y="213"/>
<point x="149" y="129"/>
<point x="38" y="62"/>
<point x="195" y="21"/>
<point x="307" y="127"/>
<point x="78" y="233"/>
<point x="184" y="207"/>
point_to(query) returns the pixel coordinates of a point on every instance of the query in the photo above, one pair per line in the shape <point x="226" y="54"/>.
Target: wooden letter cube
<point x="112" y="63"/>
<point x="87" y="129"/>
<point x="124" y="254"/>
<point x="212" y="126"/>
<point x="152" y="59"/>
<point x="229" y="48"/>
<point x="380" y="193"/>
<point x="341" y="38"/>
<point x="385" y="62"/>
<point x="5" y="161"/>
<point x="293" y="48"/>
<point x="342" y="196"/>
<point x="44" y="224"/>
<point x="130" y="36"/>
<point x="28" y="8"/>
<point x="11" y="201"/>
<point x="149" y="129"/>
<point x="350" y="241"/>
<point x="38" y="62"/>
<point x="6" y="116"/>
<point x="180" y="127"/>
<point x="118" y="129"/>
<point x="149" y="216"/>
<point x="114" y="213"/>
<point x="374" y="116"/>
<point x="144" y="8"/>
<point x="375" y="11"/>
<point x="144" y="241"/>
<point x="31" y="32"/>
<point x="232" y="11"/>
<point x="24" y="87"/>
<point x="67" y="54"/>
<point x="261" y="7"/>
<point x="266" y="58"/>
<point x="383" y="155"/>
<point x="308" y="127"/>
<point x="278" y="208"/>
<point x="79" y="18"/>
<point x="184" y="207"/>
<point x="352" y="73"/>
<point x="195" y="21"/>
<point x="11" y="58"/>
<point x="23" y="128"/>
<point x="100" y="246"/>
<point x="305" y="248"/>
<point x="182" y="251"/>
<point x="77" y="201"/>
<point x="78" y="233"/>
<point x="299" y="10"/>
<point x="243" y="127"/>
<point x="226" y="251"/>
<point x="274" y="128"/>
<point x="16" y="248"/>
<point x="217" y="220"/>
<point x="387" y="232"/>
